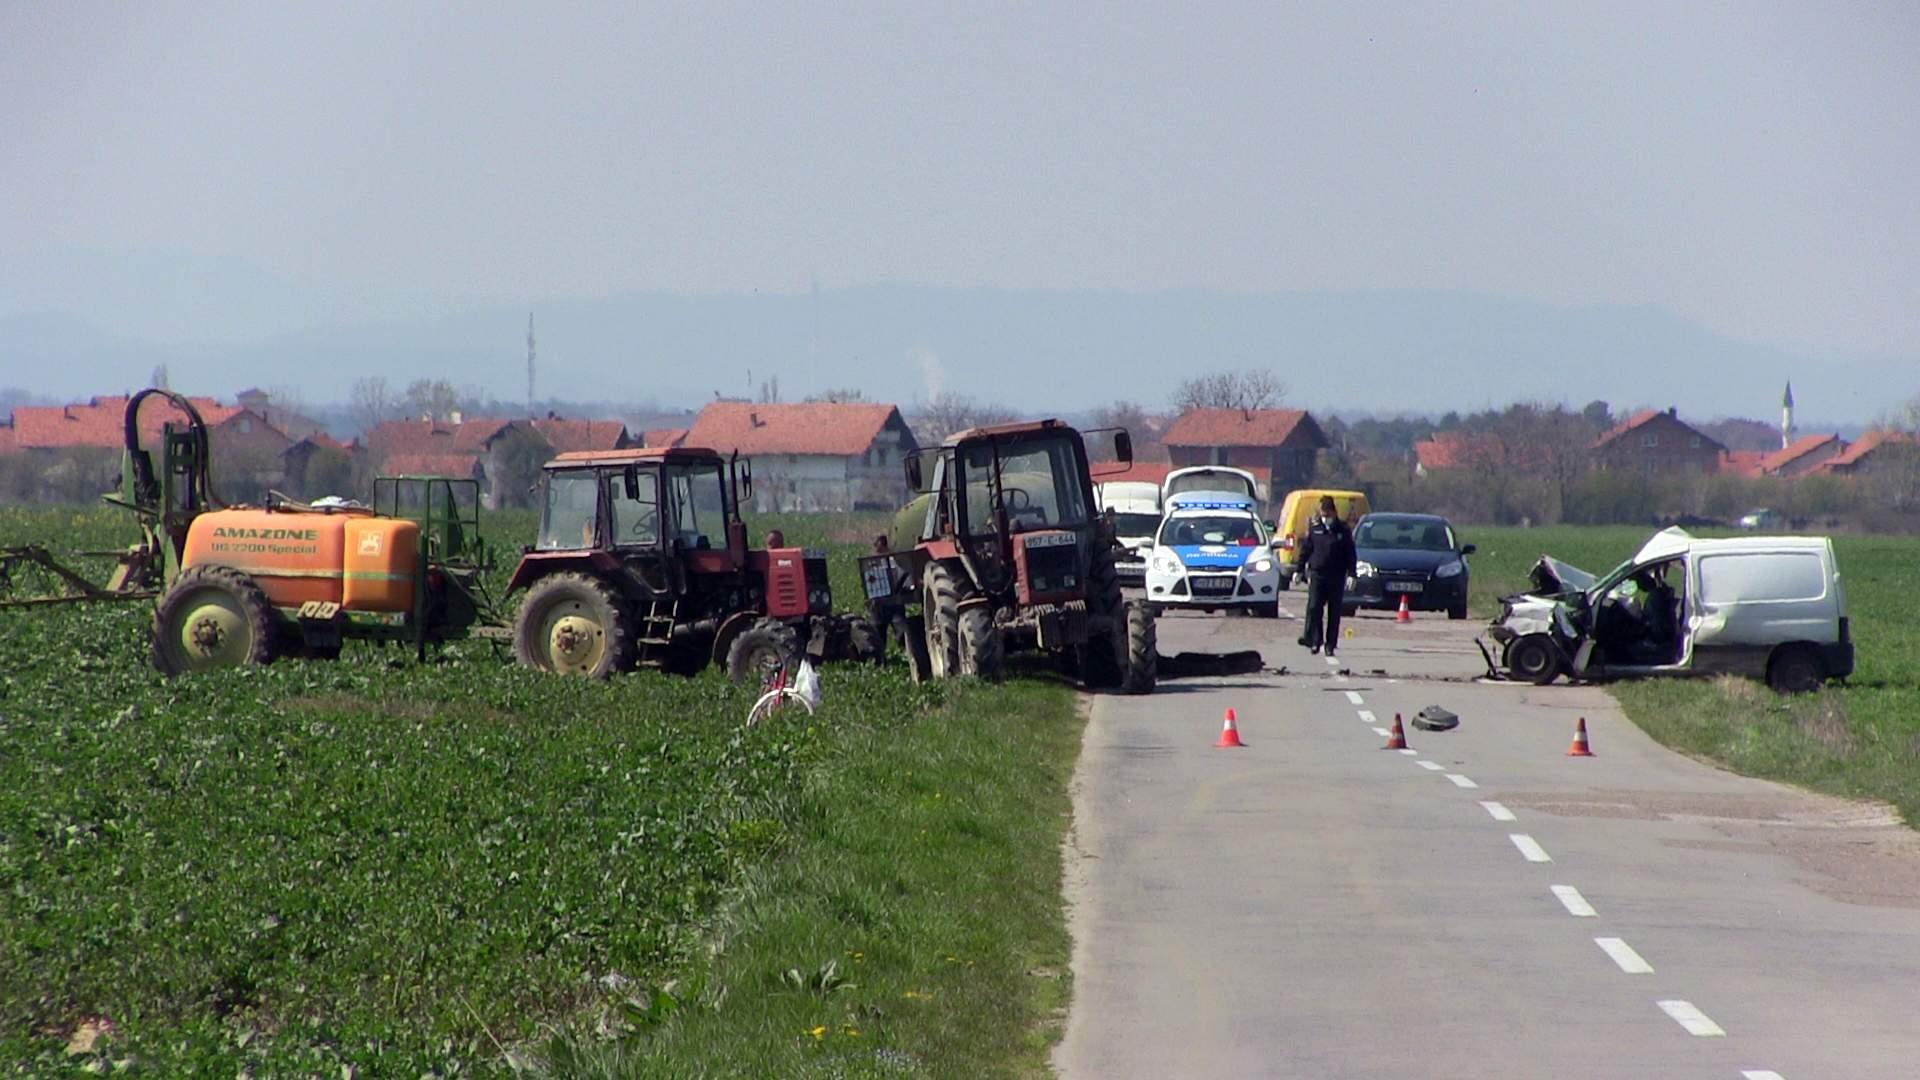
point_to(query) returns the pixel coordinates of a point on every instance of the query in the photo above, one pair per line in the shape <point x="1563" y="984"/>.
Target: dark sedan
<point x="1412" y="555"/>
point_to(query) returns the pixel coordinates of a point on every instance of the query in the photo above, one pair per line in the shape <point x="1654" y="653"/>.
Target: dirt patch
<point x="1854" y="852"/>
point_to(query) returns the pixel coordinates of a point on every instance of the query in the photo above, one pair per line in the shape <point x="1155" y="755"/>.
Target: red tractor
<point x="642" y="559"/>
<point x="1005" y="550"/>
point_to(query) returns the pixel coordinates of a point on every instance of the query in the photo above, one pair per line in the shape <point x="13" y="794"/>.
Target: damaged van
<point x="1770" y="608"/>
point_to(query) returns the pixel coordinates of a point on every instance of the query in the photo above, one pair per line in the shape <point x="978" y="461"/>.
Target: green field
<point x="1860" y="740"/>
<point x="466" y="866"/>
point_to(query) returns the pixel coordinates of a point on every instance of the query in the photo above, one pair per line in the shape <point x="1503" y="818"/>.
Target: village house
<point x="1458" y="450"/>
<point x="1282" y="445"/>
<point x="1803" y="456"/>
<point x="504" y="455"/>
<point x="1652" y="441"/>
<point x="319" y="465"/>
<point x="812" y="455"/>
<point x="76" y="448"/>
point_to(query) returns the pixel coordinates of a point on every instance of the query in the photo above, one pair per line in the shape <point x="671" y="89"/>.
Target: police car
<point x="1213" y="553"/>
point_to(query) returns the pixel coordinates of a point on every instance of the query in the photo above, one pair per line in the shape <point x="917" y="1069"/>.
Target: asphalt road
<point x="1315" y="906"/>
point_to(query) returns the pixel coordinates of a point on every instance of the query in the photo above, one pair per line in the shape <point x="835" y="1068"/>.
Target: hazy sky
<point x="1753" y="166"/>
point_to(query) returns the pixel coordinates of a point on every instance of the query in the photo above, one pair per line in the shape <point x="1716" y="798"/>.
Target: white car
<point x="1213" y="554"/>
<point x="1135" y="507"/>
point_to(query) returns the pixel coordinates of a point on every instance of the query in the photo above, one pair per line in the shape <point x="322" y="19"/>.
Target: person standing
<point x="1327" y="559"/>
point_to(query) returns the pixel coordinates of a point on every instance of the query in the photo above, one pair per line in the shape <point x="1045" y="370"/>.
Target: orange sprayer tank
<point x="293" y="557"/>
<point x="380" y="558"/>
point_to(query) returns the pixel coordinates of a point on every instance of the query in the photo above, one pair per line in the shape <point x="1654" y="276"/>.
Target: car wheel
<point x="1533" y="659"/>
<point x="1795" y="669"/>
<point x="1457" y="612"/>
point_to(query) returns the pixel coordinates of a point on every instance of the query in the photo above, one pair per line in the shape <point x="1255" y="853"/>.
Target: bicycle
<point x="776" y="690"/>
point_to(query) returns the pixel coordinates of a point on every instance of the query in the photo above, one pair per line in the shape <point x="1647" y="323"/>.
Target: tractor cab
<point x="642" y="558"/>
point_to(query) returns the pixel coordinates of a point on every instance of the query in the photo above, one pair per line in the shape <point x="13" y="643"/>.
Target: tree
<point x="1255" y="388"/>
<point x="371" y="403"/>
<point x="839" y="396"/>
<point x="947" y="413"/>
<point x="434" y="399"/>
<point x="1598" y="415"/>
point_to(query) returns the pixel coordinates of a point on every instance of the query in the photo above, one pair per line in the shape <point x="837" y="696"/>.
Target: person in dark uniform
<point x="1326" y="557"/>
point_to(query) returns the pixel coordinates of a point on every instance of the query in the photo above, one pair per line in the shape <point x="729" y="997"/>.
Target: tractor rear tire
<point x="573" y="624"/>
<point x="983" y="652"/>
<point x="867" y="642"/>
<point x="760" y="650"/>
<point x="940" y="605"/>
<point x="1103" y="657"/>
<point x="1143" y="651"/>
<point x="212" y="617"/>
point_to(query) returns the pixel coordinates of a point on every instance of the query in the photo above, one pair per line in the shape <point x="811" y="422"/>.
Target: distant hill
<point x="1379" y="352"/>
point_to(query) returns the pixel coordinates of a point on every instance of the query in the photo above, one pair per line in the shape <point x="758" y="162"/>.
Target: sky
<point x="1749" y="167"/>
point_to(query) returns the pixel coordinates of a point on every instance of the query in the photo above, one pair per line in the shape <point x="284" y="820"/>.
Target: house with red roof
<point x="320" y="464"/>
<point x="1282" y="444"/>
<point x="505" y="455"/>
<point x="87" y="437"/>
<point x="1803" y="456"/>
<point x="1876" y="450"/>
<point x="814" y="455"/>
<point x="664" y="437"/>
<point x="1744" y="462"/>
<point x="1652" y="441"/>
<point x="1457" y="450"/>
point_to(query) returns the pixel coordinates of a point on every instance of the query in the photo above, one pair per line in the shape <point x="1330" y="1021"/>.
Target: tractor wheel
<point x="573" y="624"/>
<point x="982" y="651"/>
<point x="760" y="650"/>
<point x="1103" y="658"/>
<point x="940" y="605"/>
<point x="213" y="617"/>
<point x="1143" y="651"/>
<point x="867" y="642"/>
<point x="1533" y="659"/>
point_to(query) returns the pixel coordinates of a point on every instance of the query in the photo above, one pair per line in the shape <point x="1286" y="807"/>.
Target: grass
<point x="402" y="869"/>
<point x="1859" y="740"/>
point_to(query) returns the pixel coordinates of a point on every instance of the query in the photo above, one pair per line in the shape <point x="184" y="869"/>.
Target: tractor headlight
<point x="1452" y="569"/>
<point x="1363" y="569"/>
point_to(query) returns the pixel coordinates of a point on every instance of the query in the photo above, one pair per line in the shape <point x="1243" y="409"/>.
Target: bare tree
<point x="430" y="398"/>
<point x="839" y="396"/>
<point x="1131" y="416"/>
<point x="371" y="403"/>
<point x="1254" y="388"/>
<point x="948" y="413"/>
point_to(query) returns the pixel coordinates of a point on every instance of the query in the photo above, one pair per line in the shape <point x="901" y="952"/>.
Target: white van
<point x="1209" y="478"/>
<point x="1768" y="607"/>
<point x="1135" y="507"/>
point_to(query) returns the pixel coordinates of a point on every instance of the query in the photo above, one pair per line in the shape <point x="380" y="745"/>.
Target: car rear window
<point x="1762" y="577"/>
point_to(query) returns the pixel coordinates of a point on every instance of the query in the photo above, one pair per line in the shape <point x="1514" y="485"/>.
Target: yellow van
<point x="1300" y="506"/>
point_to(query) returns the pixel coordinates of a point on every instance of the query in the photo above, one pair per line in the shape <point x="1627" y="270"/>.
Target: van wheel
<point x="1795" y="669"/>
<point x="1532" y="659"/>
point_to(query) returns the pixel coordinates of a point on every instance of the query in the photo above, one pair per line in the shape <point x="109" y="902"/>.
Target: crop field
<point x="374" y="867"/>
<point x="1860" y="740"/>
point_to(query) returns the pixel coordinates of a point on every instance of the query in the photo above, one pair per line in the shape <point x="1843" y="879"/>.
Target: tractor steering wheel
<point x="1017" y="498"/>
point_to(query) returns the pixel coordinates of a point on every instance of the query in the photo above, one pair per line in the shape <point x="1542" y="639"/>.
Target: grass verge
<point x="913" y="927"/>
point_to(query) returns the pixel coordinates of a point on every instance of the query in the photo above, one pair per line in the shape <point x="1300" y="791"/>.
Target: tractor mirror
<point x="1123" y="447"/>
<point x="746" y="480"/>
<point x="632" y="479"/>
<point x="914" y="478"/>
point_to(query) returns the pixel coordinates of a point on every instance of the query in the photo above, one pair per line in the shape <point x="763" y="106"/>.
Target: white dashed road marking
<point x="1497" y="812"/>
<point x="1575" y="904"/>
<point x="1332" y="662"/>
<point x="1383" y="733"/>
<point x="1761" y="1074"/>
<point x="1529" y="847"/>
<point x="1461" y="781"/>
<point x="1354" y="696"/>
<point x="1430" y="766"/>
<point x="1368" y="718"/>
<point x="1623" y="954"/>
<point x="1409" y="751"/>
<point x="1692" y="1019"/>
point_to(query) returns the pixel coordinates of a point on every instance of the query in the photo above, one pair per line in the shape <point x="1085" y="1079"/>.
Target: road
<point x="1314" y="906"/>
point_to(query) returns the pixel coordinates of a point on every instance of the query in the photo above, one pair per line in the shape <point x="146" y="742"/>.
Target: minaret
<point x="1786" y="418"/>
<point x="529" y="363"/>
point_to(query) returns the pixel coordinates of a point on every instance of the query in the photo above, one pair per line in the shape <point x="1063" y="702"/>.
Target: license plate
<point x="1406" y="586"/>
<point x="1212" y="585"/>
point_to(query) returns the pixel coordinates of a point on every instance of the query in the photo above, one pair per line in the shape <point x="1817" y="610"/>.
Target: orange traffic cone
<point x="1579" y="747"/>
<point x="1398" y="739"/>
<point x="1405" y="613"/>
<point x="1229" y="733"/>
